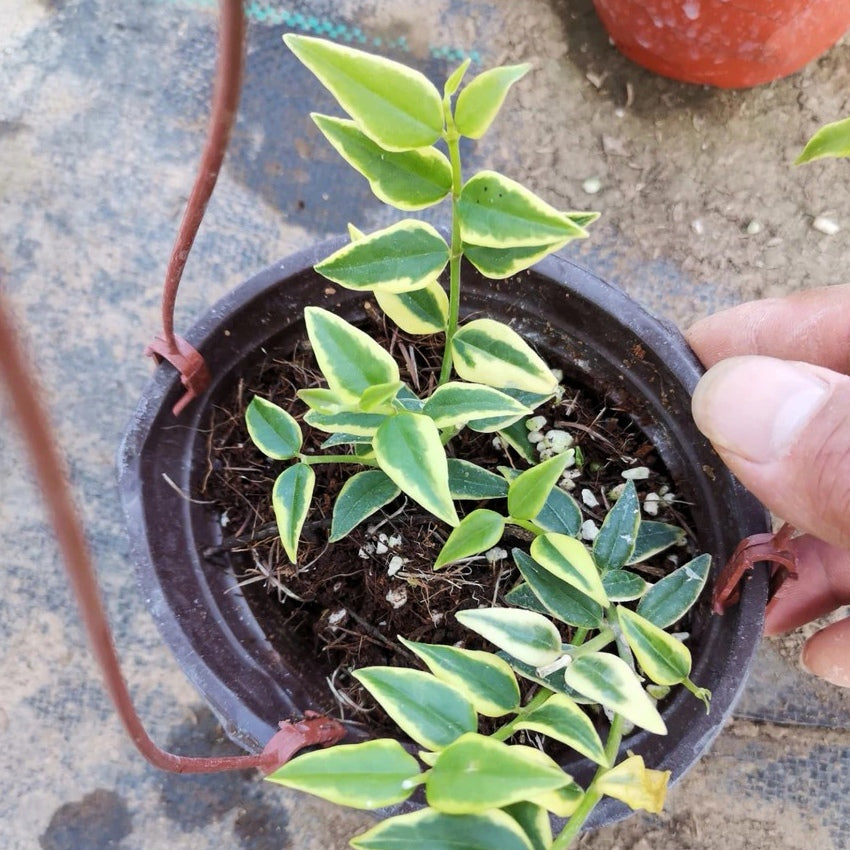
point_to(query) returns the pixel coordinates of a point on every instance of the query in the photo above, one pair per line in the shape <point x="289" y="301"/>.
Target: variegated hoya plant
<point x="482" y="791"/>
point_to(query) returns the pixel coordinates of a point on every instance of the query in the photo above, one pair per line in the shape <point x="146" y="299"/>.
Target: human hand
<point x="775" y="403"/>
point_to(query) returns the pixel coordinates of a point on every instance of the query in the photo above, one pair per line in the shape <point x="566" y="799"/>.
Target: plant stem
<point x="314" y="460"/>
<point x="452" y="138"/>
<point x="505" y="732"/>
<point x="591" y="796"/>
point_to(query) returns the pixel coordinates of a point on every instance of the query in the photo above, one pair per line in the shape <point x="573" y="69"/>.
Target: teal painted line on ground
<point x="274" y="15"/>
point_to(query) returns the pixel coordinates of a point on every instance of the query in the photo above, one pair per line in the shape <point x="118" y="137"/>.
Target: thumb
<point x="783" y="428"/>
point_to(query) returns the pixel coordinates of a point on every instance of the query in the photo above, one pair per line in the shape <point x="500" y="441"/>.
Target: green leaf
<point x="456" y="403"/>
<point x="484" y="679"/>
<point x="830" y="140"/>
<point x="523" y="634"/>
<point x="359" y="498"/>
<point x="516" y="436"/>
<point x="569" y="560"/>
<point x="664" y="659"/>
<point x="291" y="501"/>
<point x="431" y="712"/>
<point x="430" y="830"/>
<point x="654" y="537"/>
<point x="477" y="773"/>
<point x="561" y="718"/>
<point x="350" y="359"/>
<point x="321" y="399"/>
<point x="456" y="77"/>
<point x="671" y="598"/>
<point x="479" y="103"/>
<point x="363" y="776"/>
<point x="489" y="352"/>
<point x="397" y="107"/>
<point x="503" y="425"/>
<point x="409" y="400"/>
<point x="529" y="491"/>
<point x="615" y="542"/>
<point x="272" y="430"/>
<point x="608" y="680"/>
<point x="622" y="586"/>
<point x="354" y="233"/>
<point x="496" y="212"/>
<point x="468" y="481"/>
<point x="351" y="422"/>
<point x="558" y="598"/>
<point x="562" y="802"/>
<point x="560" y="513"/>
<point x="403" y="257"/>
<point x="379" y="395"/>
<point x="423" y="311"/>
<point x="409" y="450"/>
<point x="499" y="263"/>
<point x="407" y="180"/>
<point x="582" y="219"/>
<point x="342" y="439"/>
<point x="476" y="533"/>
<point x="534" y="821"/>
<point x="522" y="596"/>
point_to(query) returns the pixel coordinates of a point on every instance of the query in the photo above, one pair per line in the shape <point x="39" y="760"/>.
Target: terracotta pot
<point x="726" y="43"/>
<point x="250" y="670"/>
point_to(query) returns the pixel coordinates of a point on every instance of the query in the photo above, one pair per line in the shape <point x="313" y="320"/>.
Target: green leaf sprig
<point x="482" y="791"/>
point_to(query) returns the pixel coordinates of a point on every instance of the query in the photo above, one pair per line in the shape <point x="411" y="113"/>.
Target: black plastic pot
<point x="247" y="669"/>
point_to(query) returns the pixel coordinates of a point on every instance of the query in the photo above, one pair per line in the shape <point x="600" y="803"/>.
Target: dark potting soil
<point x="345" y="603"/>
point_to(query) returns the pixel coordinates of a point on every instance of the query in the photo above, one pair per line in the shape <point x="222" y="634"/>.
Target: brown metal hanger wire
<point x="31" y="414"/>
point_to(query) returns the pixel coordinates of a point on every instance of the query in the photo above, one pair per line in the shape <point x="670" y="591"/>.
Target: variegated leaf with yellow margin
<point x="396" y="106"/>
<point x="403" y="257"/>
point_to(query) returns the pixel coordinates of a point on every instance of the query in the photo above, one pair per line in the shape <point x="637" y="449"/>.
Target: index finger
<point x="812" y="326"/>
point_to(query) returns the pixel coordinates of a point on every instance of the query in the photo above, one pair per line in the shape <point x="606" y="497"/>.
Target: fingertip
<point x="827" y="654"/>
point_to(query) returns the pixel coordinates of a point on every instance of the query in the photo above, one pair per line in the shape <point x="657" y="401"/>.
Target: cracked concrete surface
<point x="101" y="120"/>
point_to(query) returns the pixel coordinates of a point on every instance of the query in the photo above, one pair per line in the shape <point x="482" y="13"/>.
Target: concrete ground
<point x="102" y="113"/>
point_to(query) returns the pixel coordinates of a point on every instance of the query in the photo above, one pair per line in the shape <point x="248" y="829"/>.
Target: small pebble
<point x="651" y="503"/>
<point x="397" y="596"/>
<point x="637" y="473"/>
<point x="396" y="563"/>
<point x="754" y="228"/>
<point x="495" y="554"/>
<point x="559" y="441"/>
<point x="535" y="423"/>
<point x="698" y="227"/>
<point x="615" y="492"/>
<point x="337" y="617"/>
<point x="589" y="499"/>
<point x="592" y="186"/>
<point x="589" y="530"/>
<point x="825" y="225"/>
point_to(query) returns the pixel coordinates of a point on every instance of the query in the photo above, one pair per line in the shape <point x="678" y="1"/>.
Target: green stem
<point x="505" y="732"/>
<point x="591" y="796"/>
<point x="314" y="460"/>
<point x="601" y="640"/>
<point x="527" y="524"/>
<point x="452" y="138"/>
